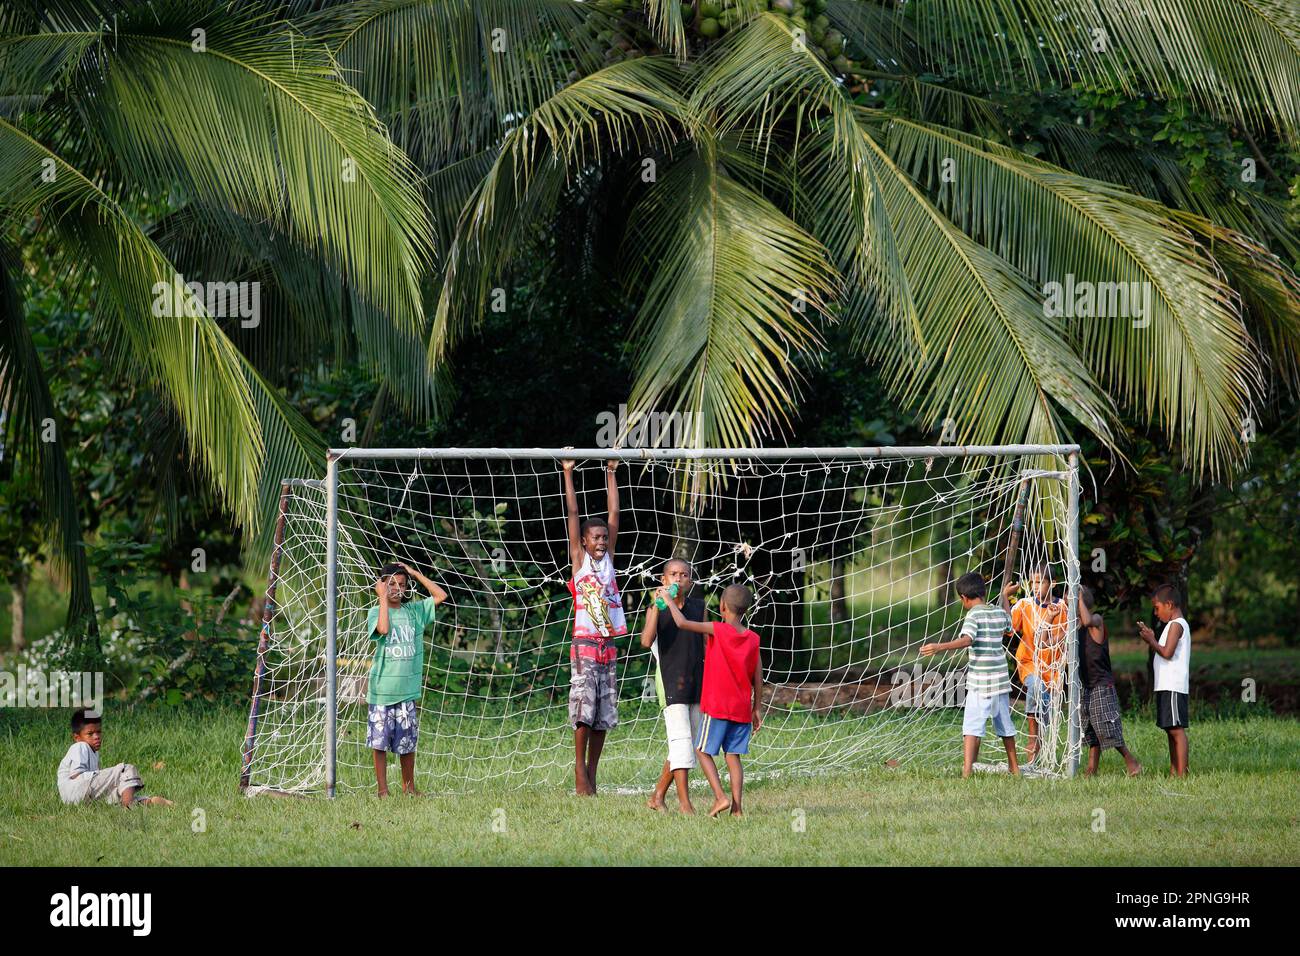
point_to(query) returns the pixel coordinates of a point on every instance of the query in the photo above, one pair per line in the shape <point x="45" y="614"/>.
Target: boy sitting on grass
<point x="80" y="780"/>
<point x="396" y="676"/>
<point x="1173" y="669"/>
<point x="597" y="620"/>
<point x="1102" y="727"/>
<point x="732" y="695"/>
<point x="680" y="676"/>
<point x="988" y="686"/>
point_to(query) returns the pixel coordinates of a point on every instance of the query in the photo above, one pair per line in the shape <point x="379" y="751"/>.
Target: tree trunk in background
<point x="943" y="583"/>
<point x="686" y="542"/>
<point x="18" y="610"/>
<point x="780" y="622"/>
<point x="839" y="606"/>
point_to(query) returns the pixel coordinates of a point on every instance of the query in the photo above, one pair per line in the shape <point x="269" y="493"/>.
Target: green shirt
<point x="986" y="674"/>
<point x="398" y="670"/>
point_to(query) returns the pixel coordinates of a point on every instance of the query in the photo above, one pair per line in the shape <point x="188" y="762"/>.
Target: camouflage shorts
<point x="593" y="694"/>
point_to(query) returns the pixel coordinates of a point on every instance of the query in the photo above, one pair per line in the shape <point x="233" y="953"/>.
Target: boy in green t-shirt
<point x="395" y="677"/>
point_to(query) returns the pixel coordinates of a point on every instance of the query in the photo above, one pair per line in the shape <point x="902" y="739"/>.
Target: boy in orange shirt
<point x="1040" y="620"/>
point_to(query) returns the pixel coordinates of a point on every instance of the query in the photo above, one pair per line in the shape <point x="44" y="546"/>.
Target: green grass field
<point x="1237" y="808"/>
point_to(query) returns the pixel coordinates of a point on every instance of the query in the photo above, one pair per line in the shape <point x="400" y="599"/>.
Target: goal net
<point x="851" y="555"/>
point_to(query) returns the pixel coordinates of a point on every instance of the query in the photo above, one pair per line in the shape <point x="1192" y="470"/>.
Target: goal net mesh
<point x="851" y="560"/>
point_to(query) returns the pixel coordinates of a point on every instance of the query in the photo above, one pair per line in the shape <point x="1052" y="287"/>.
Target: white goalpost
<point x="851" y="554"/>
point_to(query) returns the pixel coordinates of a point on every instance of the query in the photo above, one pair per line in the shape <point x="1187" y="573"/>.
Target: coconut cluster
<point x="625" y="32"/>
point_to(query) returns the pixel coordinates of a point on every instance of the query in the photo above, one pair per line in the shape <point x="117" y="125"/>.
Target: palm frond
<point x="261" y="123"/>
<point x="1183" y="356"/>
<point x="449" y="77"/>
<point x="1239" y="58"/>
<point x="176" y="347"/>
<point x="25" y="407"/>
<point x="761" y="78"/>
<point x="627" y="107"/>
<point x="732" y="290"/>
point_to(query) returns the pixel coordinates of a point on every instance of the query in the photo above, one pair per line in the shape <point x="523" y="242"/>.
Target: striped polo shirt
<point x="986" y="674"/>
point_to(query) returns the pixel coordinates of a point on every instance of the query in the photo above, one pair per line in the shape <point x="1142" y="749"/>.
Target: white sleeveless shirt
<point x="1174" y="673"/>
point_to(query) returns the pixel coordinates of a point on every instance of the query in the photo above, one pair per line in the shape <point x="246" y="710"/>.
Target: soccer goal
<point x="851" y="554"/>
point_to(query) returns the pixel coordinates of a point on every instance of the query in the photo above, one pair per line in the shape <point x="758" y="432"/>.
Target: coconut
<point x="710" y="28"/>
<point x="710" y="11"/>
<point x="834" y="44"/>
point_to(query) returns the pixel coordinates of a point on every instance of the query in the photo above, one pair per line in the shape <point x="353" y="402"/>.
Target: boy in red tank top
<point x="732" y="695"/>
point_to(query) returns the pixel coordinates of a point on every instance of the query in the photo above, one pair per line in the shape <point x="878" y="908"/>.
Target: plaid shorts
<point x="393" y="727"/>
<point x="1102" y="726"/>
<point x="593" y="694"/>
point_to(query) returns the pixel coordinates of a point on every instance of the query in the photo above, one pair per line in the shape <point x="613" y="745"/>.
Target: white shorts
<point x="980" y="710"/>
<point x="683" y="723"/>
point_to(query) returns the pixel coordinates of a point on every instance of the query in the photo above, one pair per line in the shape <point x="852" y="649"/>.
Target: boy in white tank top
<point x="1173" y="650"/>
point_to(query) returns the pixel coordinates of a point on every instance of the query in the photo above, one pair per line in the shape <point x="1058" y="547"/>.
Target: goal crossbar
<point x="680" y="454"/>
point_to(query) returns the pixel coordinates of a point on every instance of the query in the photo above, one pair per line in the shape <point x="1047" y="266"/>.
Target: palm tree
<point x="761" y="197"/>
<point x="145" y="146"/>
<point x="759" y="174"/>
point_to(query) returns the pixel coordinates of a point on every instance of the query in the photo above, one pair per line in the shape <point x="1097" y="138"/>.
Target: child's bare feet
<point x="159" y="802"/>
<point x="412" y="792"/>
<point x="1135" y="770"/>
<point x="655" y="802"/>
<point x="719" y="804"/>
<point x="737" y="812"/>
<point x="383" y="793"/>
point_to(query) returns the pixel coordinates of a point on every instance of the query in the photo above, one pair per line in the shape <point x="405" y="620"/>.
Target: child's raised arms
<point x="435" y="592"/>
<point x="573" y="519"/>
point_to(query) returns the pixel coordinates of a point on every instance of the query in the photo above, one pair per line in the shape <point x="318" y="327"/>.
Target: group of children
<point x="710" y="675"/>
<point x="1038" y="622"/>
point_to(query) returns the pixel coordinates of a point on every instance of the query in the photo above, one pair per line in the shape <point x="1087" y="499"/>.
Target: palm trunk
<point x="18" y="610"/>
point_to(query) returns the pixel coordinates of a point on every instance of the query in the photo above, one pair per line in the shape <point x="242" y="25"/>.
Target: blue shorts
<point x="1038" y="697"/>
<point x="393" y="727"/>
<point x="980" y="710"/>
<point x="730" y="736"/>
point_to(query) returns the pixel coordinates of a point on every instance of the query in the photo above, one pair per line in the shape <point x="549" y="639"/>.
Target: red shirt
<point x="730" y="659"/>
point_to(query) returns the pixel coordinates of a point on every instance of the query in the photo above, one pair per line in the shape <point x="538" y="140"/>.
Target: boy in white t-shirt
<point x="81" y="781"/>
<point x="1172" y="672"/>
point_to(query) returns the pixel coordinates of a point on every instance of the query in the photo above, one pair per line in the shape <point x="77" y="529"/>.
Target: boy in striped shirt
<point x="988" y="686"/>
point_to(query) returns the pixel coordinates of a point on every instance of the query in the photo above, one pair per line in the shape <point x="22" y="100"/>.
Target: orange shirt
<point x="1042" y="639"/>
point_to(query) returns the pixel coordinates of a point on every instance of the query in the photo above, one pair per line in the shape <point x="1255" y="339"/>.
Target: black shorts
<point x="1171" y="709"/>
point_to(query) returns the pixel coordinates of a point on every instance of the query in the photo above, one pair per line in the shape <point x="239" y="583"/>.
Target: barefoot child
<point x="1040" y="621"/>
<point x="988" y="686"/>
<point x="1173" y="668"/>
<point x="597" y="620"/>
<point x="1102" y="727"/>
<point x="397" y="674"/>
<point x="680" y="659"/>
<point x="80" y="780"/>
<point x="732" y="693"/>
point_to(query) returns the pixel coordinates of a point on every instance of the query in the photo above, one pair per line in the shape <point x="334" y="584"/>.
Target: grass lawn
<point x="1238" y="808"/>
